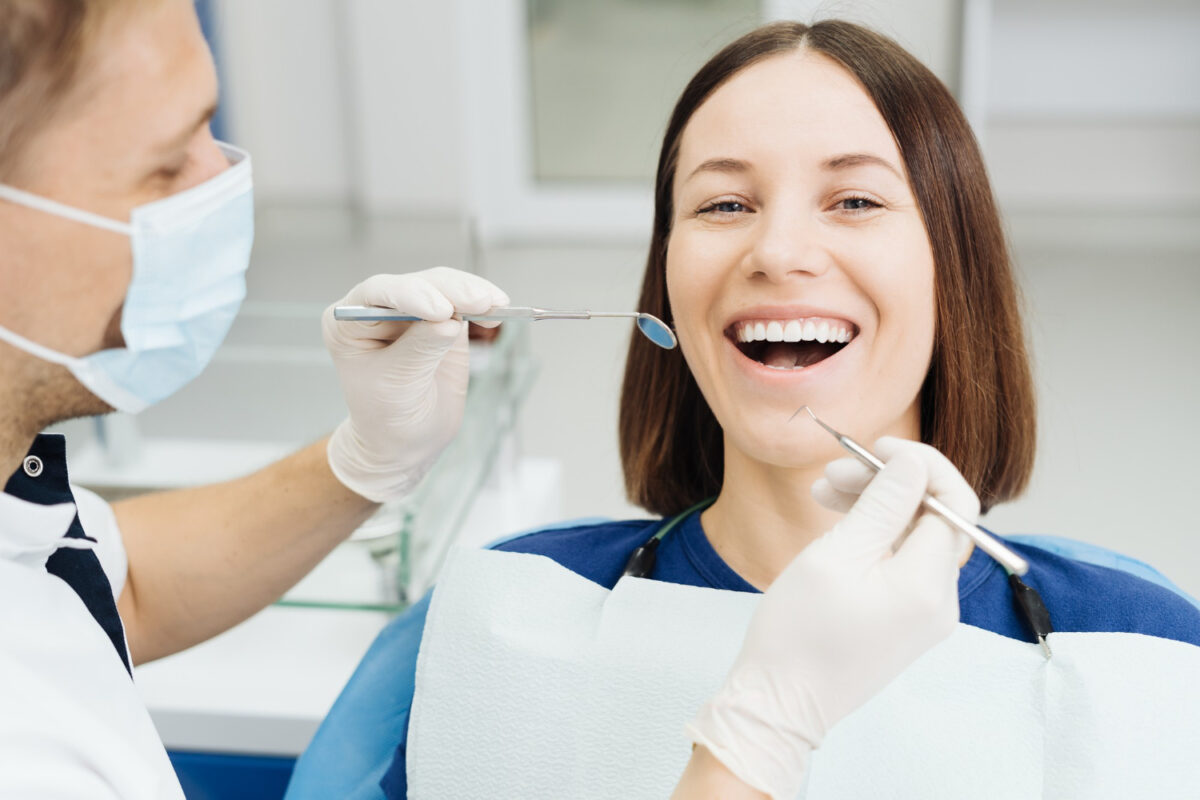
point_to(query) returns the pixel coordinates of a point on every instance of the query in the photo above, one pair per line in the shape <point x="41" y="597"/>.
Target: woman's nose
<point x="787" y="244"/>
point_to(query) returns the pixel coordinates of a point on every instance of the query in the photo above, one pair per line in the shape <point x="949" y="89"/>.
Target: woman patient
<point x="825" y="235"/>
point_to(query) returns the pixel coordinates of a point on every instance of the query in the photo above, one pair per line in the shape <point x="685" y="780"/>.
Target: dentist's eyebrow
<point x="726" y="165"/>
<point x="185" y="134"/>
<point x="851" y="160"/>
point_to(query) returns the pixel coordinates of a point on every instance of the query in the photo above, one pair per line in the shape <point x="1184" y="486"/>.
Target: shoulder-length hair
<point x="977" y="401"/>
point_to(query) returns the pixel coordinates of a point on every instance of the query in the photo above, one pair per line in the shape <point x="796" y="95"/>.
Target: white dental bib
<point x="534" y="682"/>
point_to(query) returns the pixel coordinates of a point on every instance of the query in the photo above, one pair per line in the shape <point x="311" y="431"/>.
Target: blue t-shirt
<point x="1080" y="596"/>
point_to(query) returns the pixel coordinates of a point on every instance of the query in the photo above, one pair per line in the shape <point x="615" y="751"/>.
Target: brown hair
<point x="42" y="43"/>
<point x="977" y="401"/>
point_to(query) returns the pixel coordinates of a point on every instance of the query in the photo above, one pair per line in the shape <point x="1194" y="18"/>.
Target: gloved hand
<point x="405" y="383"/>
<point x="844" y="618"/>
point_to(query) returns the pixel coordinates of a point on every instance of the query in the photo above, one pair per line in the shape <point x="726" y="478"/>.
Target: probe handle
<point x="988" y="543"/>
<point x="379" y="314"/>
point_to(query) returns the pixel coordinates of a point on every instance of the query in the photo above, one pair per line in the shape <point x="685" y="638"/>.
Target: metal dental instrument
<point x="651" y="326"/>
<point x="987" y="543"/>
<point x="1027" y="599"/>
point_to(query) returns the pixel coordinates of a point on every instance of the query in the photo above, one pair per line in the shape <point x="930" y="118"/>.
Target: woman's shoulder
<point x="595" y="549"/>
<point x="1091" y="589"/>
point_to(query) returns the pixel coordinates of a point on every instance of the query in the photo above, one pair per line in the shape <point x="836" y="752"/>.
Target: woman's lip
<point x="760" y="371"/>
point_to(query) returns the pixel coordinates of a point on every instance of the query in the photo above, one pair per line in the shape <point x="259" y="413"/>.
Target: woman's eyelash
<point x="854" y="203"/>
<point x="861" y="203"/>
<point x="718" y="207"/>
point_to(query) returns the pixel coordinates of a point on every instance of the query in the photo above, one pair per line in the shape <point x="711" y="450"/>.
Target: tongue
<point x="795" y="354"/>
<point x="780" y="354"/>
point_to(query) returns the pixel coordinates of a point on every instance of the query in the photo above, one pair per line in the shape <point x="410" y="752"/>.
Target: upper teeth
<point x="808" y="329"/>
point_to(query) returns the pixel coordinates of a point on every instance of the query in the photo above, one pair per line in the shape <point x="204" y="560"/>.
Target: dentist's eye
<point x="167" y="174"/>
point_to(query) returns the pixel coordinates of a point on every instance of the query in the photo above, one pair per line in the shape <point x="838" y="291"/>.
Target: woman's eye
<point x="857" y="204"/>
<point x="723" y="207"/>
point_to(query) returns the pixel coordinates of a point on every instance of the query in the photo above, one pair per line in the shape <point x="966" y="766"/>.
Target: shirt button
<point x="33" y="466"/>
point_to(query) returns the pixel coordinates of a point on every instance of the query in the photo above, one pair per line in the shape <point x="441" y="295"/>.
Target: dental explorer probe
<point x="1010" y="560"/>
<point x="1028" y="601"/>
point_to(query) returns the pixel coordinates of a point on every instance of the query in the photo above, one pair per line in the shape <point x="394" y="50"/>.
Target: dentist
<point x="125" y="232"/>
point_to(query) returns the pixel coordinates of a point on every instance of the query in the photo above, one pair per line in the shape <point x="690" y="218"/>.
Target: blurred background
<point x="517" y="139"/>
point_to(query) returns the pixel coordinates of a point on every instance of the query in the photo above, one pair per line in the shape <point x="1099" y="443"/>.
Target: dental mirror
<point x="657" y="331"/>
<point x="650" y="326"/>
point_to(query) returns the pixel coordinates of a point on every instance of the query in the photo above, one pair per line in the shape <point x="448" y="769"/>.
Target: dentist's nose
<point x="787" y="244"/>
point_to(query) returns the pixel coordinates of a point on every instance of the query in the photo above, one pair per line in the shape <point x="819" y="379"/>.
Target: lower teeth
<point x="784" y="369"/>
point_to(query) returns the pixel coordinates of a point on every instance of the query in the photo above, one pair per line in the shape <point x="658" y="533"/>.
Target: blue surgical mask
<point x="190" y="253"/>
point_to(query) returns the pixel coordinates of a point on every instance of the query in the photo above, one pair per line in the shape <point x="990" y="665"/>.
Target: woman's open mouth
<point x="791" y="344"/>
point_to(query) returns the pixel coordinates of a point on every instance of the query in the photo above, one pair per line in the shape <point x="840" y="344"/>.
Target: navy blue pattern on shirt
<point x="80" y="569"/>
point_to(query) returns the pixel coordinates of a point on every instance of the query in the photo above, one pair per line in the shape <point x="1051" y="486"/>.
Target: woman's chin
<point x="781" y="447"/>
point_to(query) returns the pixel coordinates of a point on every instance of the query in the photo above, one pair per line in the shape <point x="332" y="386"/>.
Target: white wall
<point x="282" y="92"/>
<point x="1092" y="105"/>
<point x="408" y="130"/>
<point x="354" y="100"/>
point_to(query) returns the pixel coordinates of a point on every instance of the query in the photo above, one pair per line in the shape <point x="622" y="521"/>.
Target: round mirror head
<point x="656" y="331"/>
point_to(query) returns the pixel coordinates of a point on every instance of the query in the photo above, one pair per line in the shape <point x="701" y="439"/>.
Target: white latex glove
<point x="844" y="618"/>
<point x="405" y="383"/>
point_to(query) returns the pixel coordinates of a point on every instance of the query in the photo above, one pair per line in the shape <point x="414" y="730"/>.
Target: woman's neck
<point x="764" y="516"/>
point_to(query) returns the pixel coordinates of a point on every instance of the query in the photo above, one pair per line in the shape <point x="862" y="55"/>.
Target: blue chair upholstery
<point x="1101" y="557"/>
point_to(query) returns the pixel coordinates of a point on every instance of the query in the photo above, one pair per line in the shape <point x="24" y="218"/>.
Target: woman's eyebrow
<point x="719" y="165"/>
<point x="850" y="160"/>
<point x="832" y="164"/>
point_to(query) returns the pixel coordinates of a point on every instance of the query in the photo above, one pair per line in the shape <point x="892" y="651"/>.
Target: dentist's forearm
<point x="202" y="560"/>
<point x="706" y="778"/>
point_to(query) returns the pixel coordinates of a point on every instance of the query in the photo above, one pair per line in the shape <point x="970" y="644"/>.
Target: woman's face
<point x="798" y="267"/>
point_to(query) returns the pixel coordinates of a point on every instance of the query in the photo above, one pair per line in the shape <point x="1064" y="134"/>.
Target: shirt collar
<point x="42" y="477"/>
<point x="37" y="507"/>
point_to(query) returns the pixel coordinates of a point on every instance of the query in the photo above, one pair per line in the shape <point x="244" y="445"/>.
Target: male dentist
<point x="125" y="232"/>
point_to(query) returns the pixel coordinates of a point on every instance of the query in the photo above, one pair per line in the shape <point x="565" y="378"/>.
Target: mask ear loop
<point x="35" y="349"/>
<point x="39" y="203"/>
<point x="49" y="206"/>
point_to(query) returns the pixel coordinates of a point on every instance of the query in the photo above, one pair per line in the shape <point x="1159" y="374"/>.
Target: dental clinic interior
<point x="517" y="139"/>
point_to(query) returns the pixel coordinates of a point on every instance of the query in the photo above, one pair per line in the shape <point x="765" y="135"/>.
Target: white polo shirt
<point x="71" y="722"/>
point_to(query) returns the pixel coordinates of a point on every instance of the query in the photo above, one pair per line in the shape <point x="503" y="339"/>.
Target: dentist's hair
<point x="977" y="402"/>
<point x="43" y="44"/>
